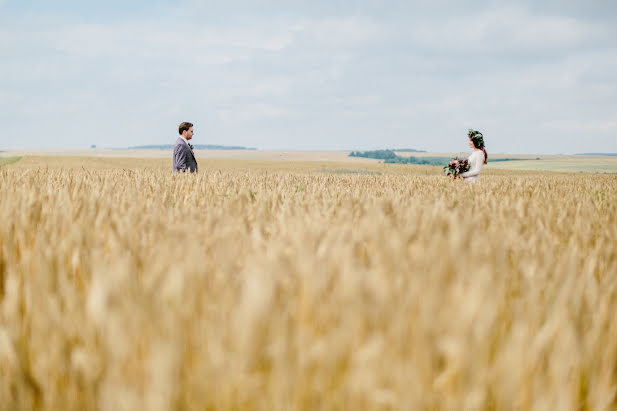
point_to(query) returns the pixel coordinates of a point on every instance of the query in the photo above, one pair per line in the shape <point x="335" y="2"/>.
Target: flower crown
<point x="476" y="137"/>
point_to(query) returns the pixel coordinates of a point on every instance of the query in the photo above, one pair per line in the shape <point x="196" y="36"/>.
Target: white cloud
<point x="508" y="30"/>
<point x="153" y="41"/>
<point x="340" y="32"/>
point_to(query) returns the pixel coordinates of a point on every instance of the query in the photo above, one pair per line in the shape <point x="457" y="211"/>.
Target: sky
<point x="533" y="76"/>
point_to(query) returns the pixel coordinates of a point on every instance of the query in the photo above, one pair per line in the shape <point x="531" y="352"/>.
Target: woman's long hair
<point x="478" y="141"/>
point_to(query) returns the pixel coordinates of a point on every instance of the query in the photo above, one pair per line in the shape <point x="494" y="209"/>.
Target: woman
<point x="477" y="158"/>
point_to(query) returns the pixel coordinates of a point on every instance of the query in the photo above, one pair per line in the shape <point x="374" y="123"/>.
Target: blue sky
<point x="535" y="77"/>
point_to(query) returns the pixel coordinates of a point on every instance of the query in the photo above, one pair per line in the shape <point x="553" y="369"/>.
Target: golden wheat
<point x="279" y="289"/>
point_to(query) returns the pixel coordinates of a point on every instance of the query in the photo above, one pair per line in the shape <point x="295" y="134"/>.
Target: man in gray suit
<point x="184" y="158"/>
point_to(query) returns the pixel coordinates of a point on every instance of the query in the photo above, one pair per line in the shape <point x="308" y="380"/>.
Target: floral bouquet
<point x="456" y="166"/>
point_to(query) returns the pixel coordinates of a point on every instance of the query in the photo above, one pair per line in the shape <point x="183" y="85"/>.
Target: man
<point x="184" y="158"/>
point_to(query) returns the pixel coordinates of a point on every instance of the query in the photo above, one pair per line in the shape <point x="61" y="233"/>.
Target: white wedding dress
<point x="476" y="161"/>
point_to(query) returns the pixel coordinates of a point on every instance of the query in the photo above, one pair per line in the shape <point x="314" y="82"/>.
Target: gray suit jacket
<point x="184" y="159"/>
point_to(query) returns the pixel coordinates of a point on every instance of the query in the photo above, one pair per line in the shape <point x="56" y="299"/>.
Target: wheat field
<point x="276" y="287"/>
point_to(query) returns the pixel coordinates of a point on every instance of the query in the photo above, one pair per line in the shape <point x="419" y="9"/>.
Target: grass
<point x="563" y="164"/>
<point x="4" y="161"/>
<point x="270" y="285"/>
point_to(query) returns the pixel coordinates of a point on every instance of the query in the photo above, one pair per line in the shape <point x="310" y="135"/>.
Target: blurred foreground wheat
<point x="247" y="289"/>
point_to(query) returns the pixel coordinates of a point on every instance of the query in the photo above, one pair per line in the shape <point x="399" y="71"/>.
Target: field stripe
<point x="9" y="160"/>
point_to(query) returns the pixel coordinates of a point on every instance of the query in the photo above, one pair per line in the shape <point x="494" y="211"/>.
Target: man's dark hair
<point x="184" y="127"/>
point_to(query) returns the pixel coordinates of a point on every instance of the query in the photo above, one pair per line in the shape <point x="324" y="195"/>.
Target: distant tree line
<point x="429" y="161"/>
<point x="390" y="157"/>
<point x="378" y="154"/>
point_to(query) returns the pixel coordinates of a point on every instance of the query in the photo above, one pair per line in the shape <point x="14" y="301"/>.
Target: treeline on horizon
<point x="390" y="157"/>
<point x="196" y="146"/>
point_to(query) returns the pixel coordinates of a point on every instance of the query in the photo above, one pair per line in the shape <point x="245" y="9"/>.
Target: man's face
<point x="188" y="134"/>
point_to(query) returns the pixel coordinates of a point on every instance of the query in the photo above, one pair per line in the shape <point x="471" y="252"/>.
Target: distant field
<point x="298" y="159"/>
<point x="207" y="165"/>
<point x="165" y="164"/>
<point x="291" y="155"/>
<point x="564" y="163"/>
<point x="594" y="164"/>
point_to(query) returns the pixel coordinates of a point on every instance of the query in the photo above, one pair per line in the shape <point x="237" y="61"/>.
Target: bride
<point x="477" y="158"/>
